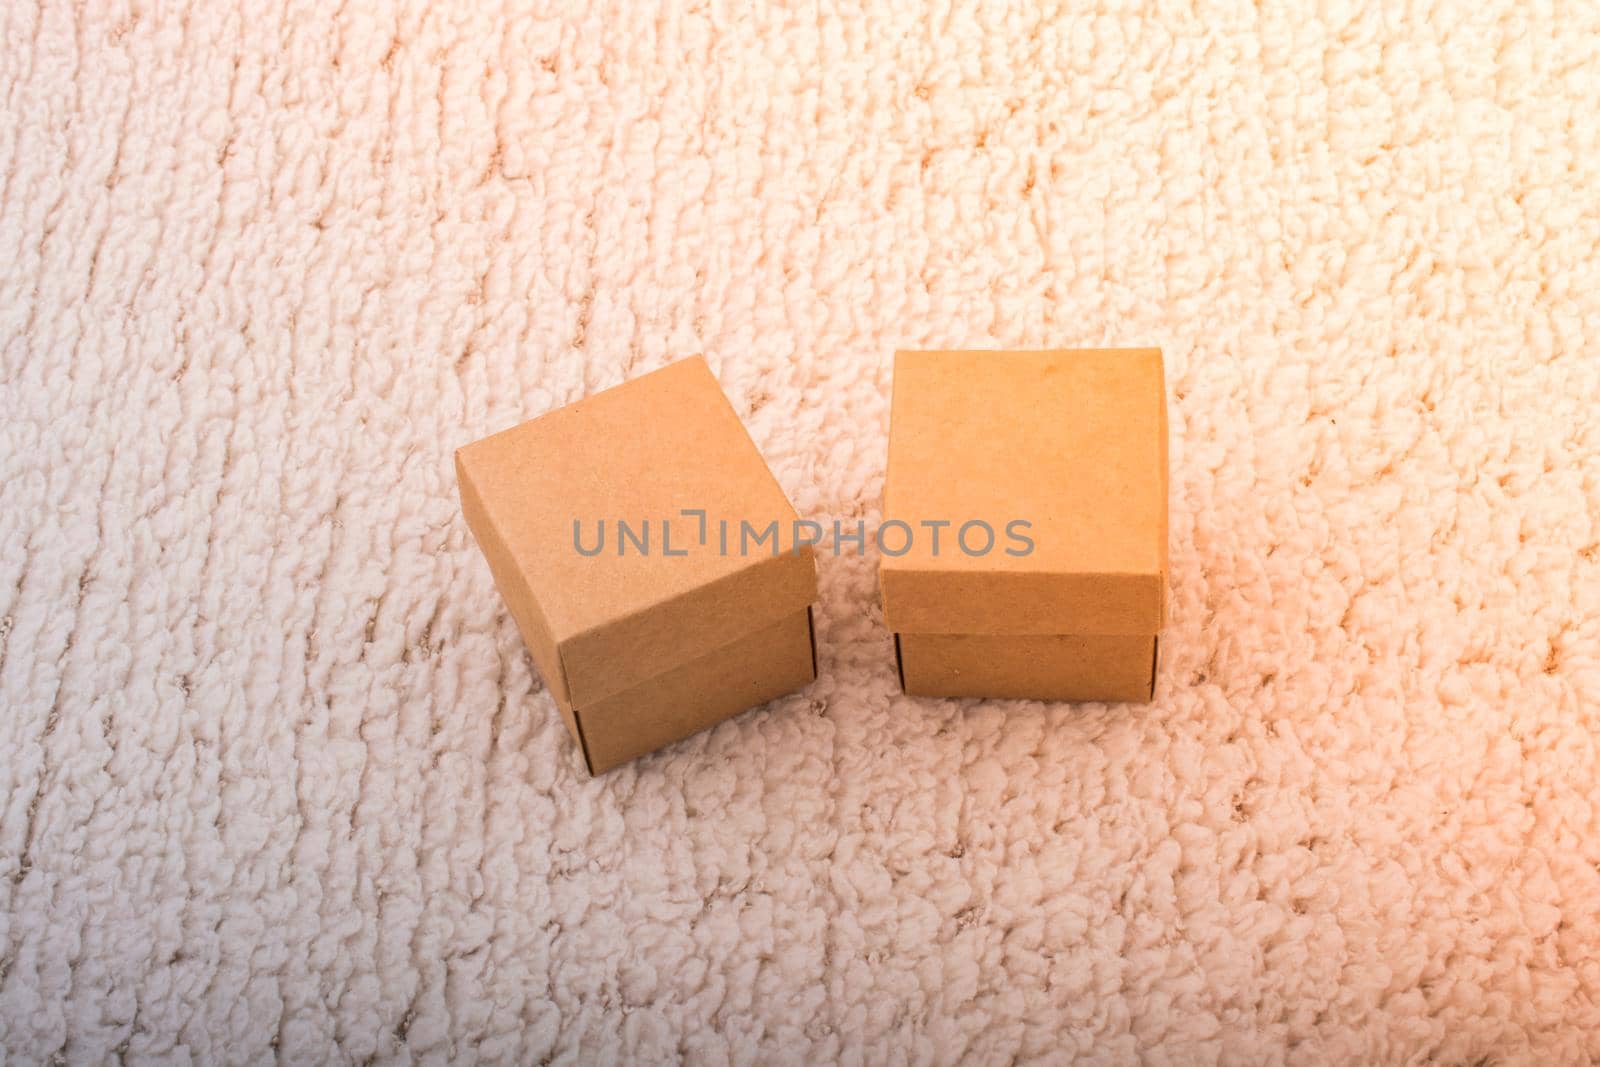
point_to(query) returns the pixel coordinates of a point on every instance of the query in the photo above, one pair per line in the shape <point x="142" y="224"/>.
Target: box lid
<point x="639" y="454"/>
<point x="1072" y="443"/>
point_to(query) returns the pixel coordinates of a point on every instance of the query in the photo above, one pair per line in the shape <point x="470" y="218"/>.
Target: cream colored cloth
<point x="275" y="779"/>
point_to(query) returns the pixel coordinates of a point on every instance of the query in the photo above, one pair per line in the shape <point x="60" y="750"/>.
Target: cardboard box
<point x="1062" y="457"/>
<point x="620" y="530"/>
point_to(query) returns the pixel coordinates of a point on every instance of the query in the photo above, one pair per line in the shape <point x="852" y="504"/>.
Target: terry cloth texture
<point x="276" y="777"/>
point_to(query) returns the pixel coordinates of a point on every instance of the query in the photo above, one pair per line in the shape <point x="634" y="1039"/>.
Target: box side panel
<point x="765" y="664"/>
<point x="949" y="602"/>
<point x="1165" y="497"/>
<point x="641" y="646"/>
<point x="1106" y="667"/>
<point x="514" y="590"/>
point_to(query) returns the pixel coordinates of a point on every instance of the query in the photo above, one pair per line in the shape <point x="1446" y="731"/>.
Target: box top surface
<point x="619" y="608"/>
<point x="1071" y="443"/>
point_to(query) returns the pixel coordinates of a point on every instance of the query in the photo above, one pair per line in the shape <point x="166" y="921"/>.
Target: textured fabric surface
<point x="276" y="777"/>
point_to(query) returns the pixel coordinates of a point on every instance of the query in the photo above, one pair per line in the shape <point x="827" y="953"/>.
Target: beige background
<point x="275" y="779"/>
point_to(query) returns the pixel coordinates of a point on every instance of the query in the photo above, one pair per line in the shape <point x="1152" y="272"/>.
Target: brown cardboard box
<point x="628" y="535"/>
<point x="1062" y="456"/>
